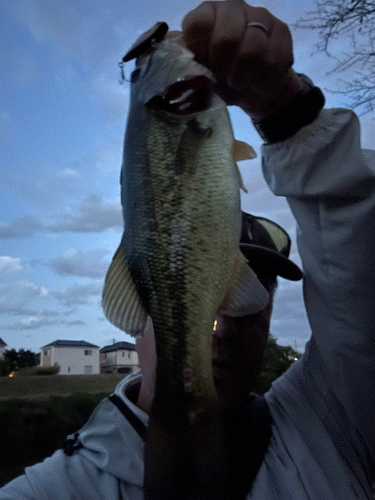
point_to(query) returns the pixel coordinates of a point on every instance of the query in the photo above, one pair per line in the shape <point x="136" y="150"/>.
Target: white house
<point x="120" y="357"/>
<point x="2" y="348"/>
<point x="75" y="357"/>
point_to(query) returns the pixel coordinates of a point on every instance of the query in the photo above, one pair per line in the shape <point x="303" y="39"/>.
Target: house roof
<point x="118" y="346"/>
<point x="69" y="343"/>
<point x="2" y="343"/>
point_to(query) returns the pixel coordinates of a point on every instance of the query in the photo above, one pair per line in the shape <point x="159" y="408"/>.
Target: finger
<point x="253" y="49"/>
<point x="228" y="30"/>
<point x="280" y="54"/>
<point x="255" y="57"/>
<point x="197" y="27"/>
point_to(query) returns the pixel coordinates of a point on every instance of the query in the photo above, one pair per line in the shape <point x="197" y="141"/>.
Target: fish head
<point x="167" y="79"/>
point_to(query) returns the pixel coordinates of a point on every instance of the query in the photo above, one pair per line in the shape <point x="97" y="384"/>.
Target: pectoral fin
<point x="121" y="302"/>
<point x="242" y="151"/>
<point x="246" y="295"/>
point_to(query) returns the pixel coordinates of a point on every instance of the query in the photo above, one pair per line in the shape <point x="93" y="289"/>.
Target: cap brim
<point x="271" y="261"/>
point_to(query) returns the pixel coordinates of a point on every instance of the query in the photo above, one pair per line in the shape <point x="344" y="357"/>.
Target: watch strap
<point x="302" y="110"/>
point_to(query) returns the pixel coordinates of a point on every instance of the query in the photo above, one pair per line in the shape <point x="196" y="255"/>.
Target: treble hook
<point x="121" y="65"/>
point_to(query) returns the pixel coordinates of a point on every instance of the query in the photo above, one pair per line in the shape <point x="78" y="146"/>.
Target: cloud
<point x="35" y="322"/>
<point x="78" y="294"/>
<point x="21" y="227"/>
<point x="16" y="310"/>
<point x="15" y="295"/>
<point x="10" y="264"/>
<point x="23" y="289"/>
<point x="32" y="322"/>
<point x="47" y="184"/>
<point x="288" y="295"/>
<point x="48" y="313"/>
<point x="20" y="310"/>
<point x="289" y="320"/>
<point x="69" y="174"/>
<point x="74" y="262"/>
<point x="94" y="215"/>
<point x="42" y="292"/>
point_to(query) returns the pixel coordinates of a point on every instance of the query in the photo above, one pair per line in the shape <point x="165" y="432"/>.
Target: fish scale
<point x="179" y="263"/>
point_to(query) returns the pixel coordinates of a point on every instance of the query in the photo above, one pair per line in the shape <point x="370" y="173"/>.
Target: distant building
<point x="75" y="357"/>
<point x="2" y="348"/>
<point x="120" y="357"/>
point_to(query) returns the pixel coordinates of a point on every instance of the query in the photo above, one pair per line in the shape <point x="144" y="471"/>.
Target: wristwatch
<point x="301" y="110"/>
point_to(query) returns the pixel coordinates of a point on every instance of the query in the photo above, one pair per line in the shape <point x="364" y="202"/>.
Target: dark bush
<point x="38" y="370"/>
<point x="32" y="430"/>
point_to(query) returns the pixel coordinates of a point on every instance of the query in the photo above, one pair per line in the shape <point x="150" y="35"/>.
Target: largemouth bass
<point x="179" y="260"/>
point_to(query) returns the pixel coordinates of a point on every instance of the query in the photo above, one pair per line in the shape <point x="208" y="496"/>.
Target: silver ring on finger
<point x="256" y="24"/>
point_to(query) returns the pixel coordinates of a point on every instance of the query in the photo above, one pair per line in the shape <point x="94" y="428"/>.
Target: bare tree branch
<point x="354" y="20"/>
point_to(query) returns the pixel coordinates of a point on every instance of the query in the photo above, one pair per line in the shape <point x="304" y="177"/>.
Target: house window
<point x="123" y="354"/>
<point x="128" y="355"/>
<point x="88" y="370"/>
<point x="68" y="369"/>
<point x="88" y="352"/>
<point x="45" y="353"/>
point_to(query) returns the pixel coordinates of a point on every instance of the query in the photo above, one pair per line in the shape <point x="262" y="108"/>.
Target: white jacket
<point x="323" y="407"/>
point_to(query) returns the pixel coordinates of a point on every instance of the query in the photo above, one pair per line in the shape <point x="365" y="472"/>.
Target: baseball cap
<point x="266" y="246"/>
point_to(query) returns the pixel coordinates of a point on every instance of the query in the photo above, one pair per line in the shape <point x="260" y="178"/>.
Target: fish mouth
<point x="187" y="96"/>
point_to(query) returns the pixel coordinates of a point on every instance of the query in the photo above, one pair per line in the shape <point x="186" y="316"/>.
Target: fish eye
<point x="135" y="75"/>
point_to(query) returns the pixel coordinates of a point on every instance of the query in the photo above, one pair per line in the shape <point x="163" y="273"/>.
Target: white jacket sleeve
<point x="330" y="186"/>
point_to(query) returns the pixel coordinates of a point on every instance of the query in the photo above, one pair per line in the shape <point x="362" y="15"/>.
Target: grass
<point x="46" y="385"/>
<point x="37" y="413"/>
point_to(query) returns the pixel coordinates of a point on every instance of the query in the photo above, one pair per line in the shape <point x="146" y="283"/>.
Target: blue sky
<point x="62" y="119"/>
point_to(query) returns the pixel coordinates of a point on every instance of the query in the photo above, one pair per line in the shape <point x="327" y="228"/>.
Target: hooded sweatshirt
<point x="323" y="408"/>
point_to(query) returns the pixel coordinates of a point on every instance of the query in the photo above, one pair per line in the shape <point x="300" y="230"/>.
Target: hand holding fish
<point x="249" y="51"/>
